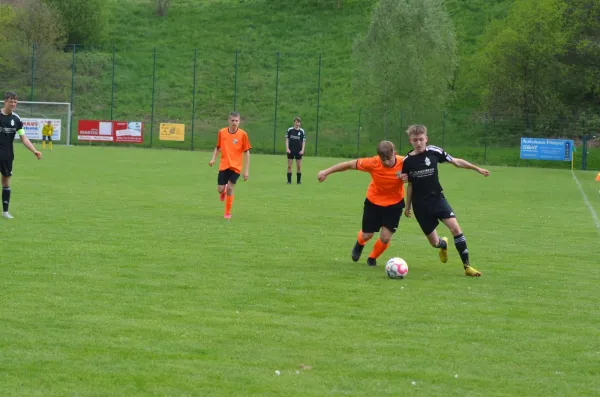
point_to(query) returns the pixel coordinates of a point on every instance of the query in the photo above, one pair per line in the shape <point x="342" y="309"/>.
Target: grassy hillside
<point x="269" y="62"/>
<point x="215" y="30"/>
<point x="212" y="31"/>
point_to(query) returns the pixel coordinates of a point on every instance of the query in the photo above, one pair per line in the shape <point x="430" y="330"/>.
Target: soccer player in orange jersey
<point x="385" y="198"/>
<point x="234" y="145"/>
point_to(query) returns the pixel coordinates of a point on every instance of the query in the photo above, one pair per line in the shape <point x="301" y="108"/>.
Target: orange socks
<point x="360" y="238"/>
<point x="228" y="204"/>
<point x="379" y="248"/>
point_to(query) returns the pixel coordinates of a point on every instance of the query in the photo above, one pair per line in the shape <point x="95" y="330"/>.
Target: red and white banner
<point x="128" y="131"/>
<point x="110" y="131"/>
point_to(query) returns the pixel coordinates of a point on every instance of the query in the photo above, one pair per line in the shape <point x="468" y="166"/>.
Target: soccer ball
<point x="396" y="268"/>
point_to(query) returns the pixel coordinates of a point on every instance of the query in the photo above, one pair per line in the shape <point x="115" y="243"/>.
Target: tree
<point x="407" y="57"/>
<point x="32" y="53"/>
<point x="162" y="6"/>
<point x="519" y="66"/>
<point x="83" y="20"/>
<point x="581" y="91"/>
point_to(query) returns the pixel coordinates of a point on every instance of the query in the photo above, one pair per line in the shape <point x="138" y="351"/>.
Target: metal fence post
<point x="32" y="71"/>
<point x="72" y="90"/>
<point x="153" y="90"/>
<point x="194" y="97"/>
<point x="235" y="80"/>
<point x="444" y="129"/>
<point x="112" y="92"/>
<point x="276" y="97"/>
<point x="318" y="102"/>
<point x="385" y="121"/>
<point x="485" y="139"/>
<point x="358" y="134"/>
<point x="402" y="126"/>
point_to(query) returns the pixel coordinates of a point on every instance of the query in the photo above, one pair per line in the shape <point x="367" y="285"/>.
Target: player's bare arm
<point x="303" y="145"/>
<point x="287" y="144"/>
<point x="246" y="165"/>
<point x="340" y="167"/>
<point x="30" y="146"/>
<point x="214" y="157"/>
<point x="460" y="163"/>
<point x="408" y="200"/>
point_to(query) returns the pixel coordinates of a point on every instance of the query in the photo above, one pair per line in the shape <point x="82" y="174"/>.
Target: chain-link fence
<point x="269" y="89"/>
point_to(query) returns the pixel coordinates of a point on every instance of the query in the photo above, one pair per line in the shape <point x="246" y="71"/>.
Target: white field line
<point x="587" y="202"/>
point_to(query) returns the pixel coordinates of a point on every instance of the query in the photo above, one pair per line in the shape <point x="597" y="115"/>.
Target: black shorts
<point x="6" y="167"/>
<point x="430" y="210"/>
<point x="227" y="175"/>
<point x="294" y="155"/>
<point x="47" y="138"/>
<point x="375" y="216"/>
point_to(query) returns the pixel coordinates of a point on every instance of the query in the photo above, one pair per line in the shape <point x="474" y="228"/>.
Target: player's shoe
<point x="7" y="215"/>
<point x="444" y="251"/>
<point x="357" y="251"/>
<point x="472" y="272"/>
<point x="289" y="183"/>
<point x="227" y="216"/>
<point x="371" y="261"/>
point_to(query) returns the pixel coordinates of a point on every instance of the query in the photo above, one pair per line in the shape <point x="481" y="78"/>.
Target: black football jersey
<point x="295" y="137"/>
<point x="422" y="171"/>
<point x="9" y="126"/>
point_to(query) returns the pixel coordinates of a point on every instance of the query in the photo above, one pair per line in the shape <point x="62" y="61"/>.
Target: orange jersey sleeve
<point x="386" y="187"/>
<point x="233" y="146"/>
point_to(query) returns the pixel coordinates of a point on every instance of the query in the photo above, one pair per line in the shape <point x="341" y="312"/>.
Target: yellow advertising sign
<point x="172" y="132"/>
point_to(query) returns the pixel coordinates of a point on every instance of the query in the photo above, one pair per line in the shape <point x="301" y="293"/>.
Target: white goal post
<point x="35" y="114"/>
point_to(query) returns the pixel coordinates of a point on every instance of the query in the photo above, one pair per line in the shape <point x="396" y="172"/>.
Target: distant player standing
<point x="426" y="196"/>
<point x="10" y="125"/>
<point x="234" y="145"/>
<point x="385" y="198"/>
<point x="47" y="132"/>
<point x="295" y="141"/>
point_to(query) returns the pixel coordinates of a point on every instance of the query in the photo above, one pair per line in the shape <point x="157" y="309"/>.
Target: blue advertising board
<point x="547" y="149"/>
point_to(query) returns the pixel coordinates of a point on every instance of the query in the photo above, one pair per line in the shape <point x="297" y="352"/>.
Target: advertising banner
<point x="172" y="132"/>
<point x="547" y="149"/>
<point x="33" y="128"/>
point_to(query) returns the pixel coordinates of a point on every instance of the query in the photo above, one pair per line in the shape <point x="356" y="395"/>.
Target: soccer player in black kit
<point x="295" y="141"/>
<point x="10" y="125"/>
<point x="426" y="196"/>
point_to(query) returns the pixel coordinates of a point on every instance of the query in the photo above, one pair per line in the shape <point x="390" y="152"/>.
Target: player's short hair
<point x="10" y="95"/>
<point x="386" y="150"/>
<point x="416" y="129"/>
<point x="234" y="114"/>
<point x="298" y="119"/>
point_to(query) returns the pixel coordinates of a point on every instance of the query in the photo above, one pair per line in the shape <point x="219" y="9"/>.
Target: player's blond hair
<point x="386" y="150"/>
<point x="416" y="129"/>
<point x="234" y="114"/>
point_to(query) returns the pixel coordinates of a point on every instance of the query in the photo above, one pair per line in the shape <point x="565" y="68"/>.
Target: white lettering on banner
<point x="33" y="128"/>
<point x="95" y="138"/>
<point x="534" y="141"/>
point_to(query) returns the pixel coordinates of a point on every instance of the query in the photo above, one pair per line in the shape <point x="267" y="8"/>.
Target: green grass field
<point x="120" y="278"/>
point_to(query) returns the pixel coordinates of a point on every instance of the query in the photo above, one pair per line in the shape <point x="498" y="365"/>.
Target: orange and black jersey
<point x="422" y="171"/>
<point x="232" y="145"/>
<point x="386" y="187"/>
